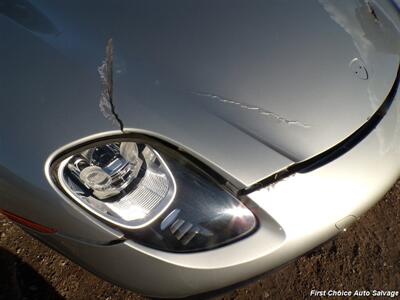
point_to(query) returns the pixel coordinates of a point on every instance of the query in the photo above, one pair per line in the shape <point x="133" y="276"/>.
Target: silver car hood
<point x="248" y="87"/>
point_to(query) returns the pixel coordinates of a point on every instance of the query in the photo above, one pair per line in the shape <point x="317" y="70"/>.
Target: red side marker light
<point x="27" y="223"/>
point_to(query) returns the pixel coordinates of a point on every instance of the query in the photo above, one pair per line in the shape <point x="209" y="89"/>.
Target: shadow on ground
<point x="19" y="281"/>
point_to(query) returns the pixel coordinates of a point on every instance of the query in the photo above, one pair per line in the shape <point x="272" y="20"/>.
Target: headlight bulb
<point x="107" y="170"/>
<point x="95" y="178"/>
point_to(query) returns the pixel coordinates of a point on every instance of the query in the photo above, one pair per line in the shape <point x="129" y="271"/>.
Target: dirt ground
<point x="366" y="257"/>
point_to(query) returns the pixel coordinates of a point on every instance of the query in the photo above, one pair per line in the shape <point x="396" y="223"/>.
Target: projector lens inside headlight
<point x="156" y="197"/>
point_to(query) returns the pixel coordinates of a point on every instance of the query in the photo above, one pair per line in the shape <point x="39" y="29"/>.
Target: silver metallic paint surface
<point x="44" y="105"/>
<point x="288" y="58"/>
<point x="247" y="87"/>
<point x="308" y="208"/>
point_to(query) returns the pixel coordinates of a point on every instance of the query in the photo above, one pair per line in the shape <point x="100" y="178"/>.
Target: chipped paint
<point x="106" y="103"/>
<point x="261" y="111"/>
<point x="371" y="10"/>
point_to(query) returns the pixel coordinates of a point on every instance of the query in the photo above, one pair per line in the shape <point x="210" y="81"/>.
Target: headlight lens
<point x="157" y="197"/>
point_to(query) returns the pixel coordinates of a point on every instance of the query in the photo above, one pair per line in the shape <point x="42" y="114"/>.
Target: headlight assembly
<point x="155" y="195"/>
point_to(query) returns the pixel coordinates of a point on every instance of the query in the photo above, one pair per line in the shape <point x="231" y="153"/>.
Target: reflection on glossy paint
<point x="367" y="33"/>
<point x="27" y="15"/>
<point x="372" y="31"/>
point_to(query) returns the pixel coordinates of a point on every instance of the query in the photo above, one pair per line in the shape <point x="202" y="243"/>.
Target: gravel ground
<point x="366" y="257"/>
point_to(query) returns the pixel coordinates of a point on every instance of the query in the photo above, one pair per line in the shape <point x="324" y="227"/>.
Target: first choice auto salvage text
<point x="356" y="293"/>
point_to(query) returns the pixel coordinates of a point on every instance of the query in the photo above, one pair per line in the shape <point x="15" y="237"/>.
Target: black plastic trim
<point x="334" y="152"/>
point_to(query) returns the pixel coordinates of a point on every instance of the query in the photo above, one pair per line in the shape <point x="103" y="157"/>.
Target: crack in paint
<point x="371" y="10"/>
<point x="261" y="111"/>
<point x="106" y="103"/>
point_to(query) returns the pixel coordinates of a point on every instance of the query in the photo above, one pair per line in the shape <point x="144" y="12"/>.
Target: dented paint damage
<point x="270" y="103"/>
<point x="267" y="126"/>
<point x="107" y="106"/>
<point x="279" y="124"/>
<point x="209" y="99"/>
<point x="259" y="110"/>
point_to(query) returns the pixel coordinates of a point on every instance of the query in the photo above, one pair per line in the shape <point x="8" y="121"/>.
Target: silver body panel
<point x="167" y="72"/>
<point x="248" y="88"/>
<point x="310" y="208"/>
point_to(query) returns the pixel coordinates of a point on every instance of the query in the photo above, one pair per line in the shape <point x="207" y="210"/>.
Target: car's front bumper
<point x="296" y="214"/>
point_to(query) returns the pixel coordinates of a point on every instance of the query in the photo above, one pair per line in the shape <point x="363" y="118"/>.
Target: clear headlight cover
<point x="158" y="198"/>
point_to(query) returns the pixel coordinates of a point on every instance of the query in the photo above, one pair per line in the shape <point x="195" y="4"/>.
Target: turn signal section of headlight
<point x="154" y="194"/>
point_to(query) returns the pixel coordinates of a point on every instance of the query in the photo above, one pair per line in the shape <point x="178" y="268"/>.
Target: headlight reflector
<point x="156" y="197"/>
